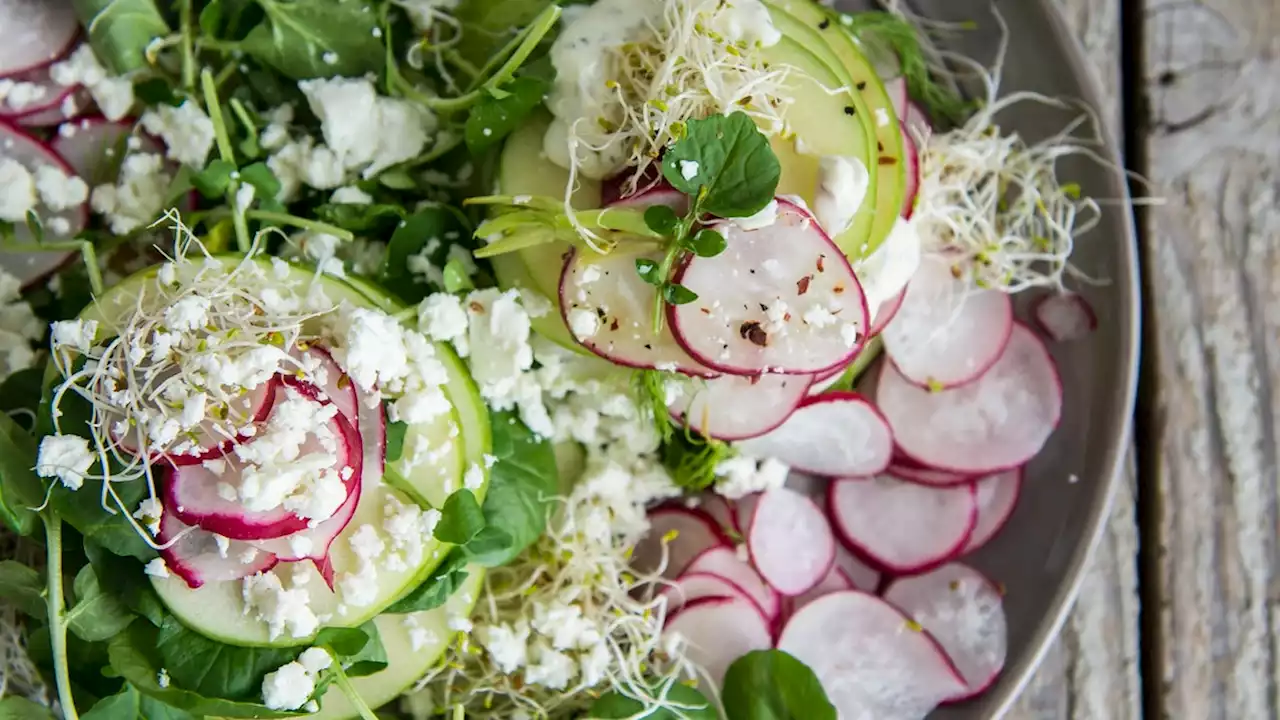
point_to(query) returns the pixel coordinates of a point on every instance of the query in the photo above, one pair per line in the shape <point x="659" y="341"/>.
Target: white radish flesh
<point x="92" y="147"/>
<point x="947" y="333"/>
<point x="57" y="224"/>
<point x="998" y="422"/>
<point x="608" y="308"/>
<point x="39" y="95"/>
<point x="676" y="536"/>
<point x="722" y="510"/>
<point x="902" y="527"/>
<point x="916" y="121"/>
<point x="198" y="556"/>
<point x="716" y="632"/>
<point x="724" y="562"/>
<point x="860" y="575"/>
<point x="886" y="312"/>
<point x="904" y="468"/>
<point x="692" y="587"/>
<point x="781" y="298"/>
<point x="870" y="660"/>
<point x="996" y="496"/>
<point x="836" y="434"/>
<point x="313" y="542"/>
<point x="834" y="581"/>
<point x="1065" y="316"/>
<point x="35" y="33"/>
<point x="318" y="372"/>
<point x="790" y="541"/>
<point x="733" y="407"/>
<point x="896" y="89"/>
<point x="964" y="612"/>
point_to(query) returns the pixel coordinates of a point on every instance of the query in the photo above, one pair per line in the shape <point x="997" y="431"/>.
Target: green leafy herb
<point x="692" y="459"/>
<point x="680" y="702"/>
<point x="360" y="650"/>
<point x="495" y="116"/>
<point x="424" y="231"/>
<point x="316" y="38"/>
<point x="20" y="708"/>
<point x="522" y="483"/>
<point x="648" y="271"/>
<point x="437" y="588"/>
<point x="210" y="668"/>
<point x="678" y="294"/>
<point x="395" y="440"/>
<point x="214" y="179"/>
<point x="725" y="162"/>
<point x="373" y="217"/>
<point x="772" y="685"/>
<point x="96" y="615"/>
<point x="707" y="243"/>
<point x="460" y="519"/>
<point x="20" y="489"/>
<point x="23" y="588"/>
<point x="456" y="277"/>
<point x="661" y="219"/>
<point x="124" y="579"/>
<point x="903" y="40"/>
<point x="156" y="91"/>
<point x="120" y="31"/>
<point x="265" y="184"/>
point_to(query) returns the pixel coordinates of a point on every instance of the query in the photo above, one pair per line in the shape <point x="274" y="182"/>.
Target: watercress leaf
<point x="456" y="277"/>
<point x="156" y="91"/>
<point x="726" y="159"/>
<point x="648" y="271"/>
<point x="370" y="658"/>
<point x="460" y="518"/>
<point x="490" y="542"/>
<point x="134" y="655"/>
<point x="412" y="237"/>
<point x="497" y="115"/>
<point x="213" y="180"/>
<point x="20" y="393"/>
<point x="522" y="482"/>
<point x="688" y="704"/>
<point x="121" y="30"/>
<point x="488" y="24"/>
<point x="124" y="705"/>
<point x="361" y="218"/>
<point x="265" y="183"/>
<point x="22" y="587"/>
<point x="20" y="489"/>
<point x="96" y="615"/>
<point x="20" y="708"/>
<point x="678" y="294"/>
<point x="707" y="243"/>
<point x="395" y="440"/>
<point x="124" y="579"/>
<point x="436" y="589"/>
<point x="661" y="219"/>
<point x="150" y="708"/>
<point x="213" y="669"/>
<point x="773" y="685"/>
<point x="316" y="38"/>
<point x="229" y="19"/>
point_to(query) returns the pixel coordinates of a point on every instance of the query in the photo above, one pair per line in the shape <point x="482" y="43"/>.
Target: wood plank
<point x="1214" y="253"/>
<point x="1091" y="672"/>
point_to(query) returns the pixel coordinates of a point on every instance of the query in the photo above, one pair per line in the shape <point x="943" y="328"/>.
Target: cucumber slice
<point x="405" y="663"/>
<point x="856" y="71"/>
<point x="430" y="481"/>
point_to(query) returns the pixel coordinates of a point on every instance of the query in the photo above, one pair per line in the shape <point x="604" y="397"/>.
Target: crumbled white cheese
<point x="17" y="191"/>
<point x="419" y="637"/>
<point x="283" y="610"/>
<point x="842" y="188"/>
<point x="138" y="195"/>
<point x="365" y="130"/>
<point x="186" y="131"/>
<point x="19" y="95"/>
<point x="350" y="195"/>
<point x="288" y="688"/>
<point x="315" y="660"/>
<point x="442" y="317"/>
<point x="58" y="190"/>
<point x="74" y="334"/>
<point x="162" y="678"/>
<point x="474" y="478"/>
<point x="740" y="476"/>
<point x="113" y="95"/>
<point x="65" y="457"/>
<point x="688" y="169"/>
<point x="157" y="568"/>
<point x="767" y="216"/>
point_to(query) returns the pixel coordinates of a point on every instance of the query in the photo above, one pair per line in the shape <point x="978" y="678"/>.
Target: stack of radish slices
<point x="215" y="536"/>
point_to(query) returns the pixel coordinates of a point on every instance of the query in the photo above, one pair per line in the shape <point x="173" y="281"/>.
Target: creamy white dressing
<point x="767" y="216"/>
<point x="842" y="186"/>
<point x="890" y="267"/>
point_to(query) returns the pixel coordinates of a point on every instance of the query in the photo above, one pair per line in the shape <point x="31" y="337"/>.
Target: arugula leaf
<point x="212" y="669"/>
<point x="395" y="440"/>
<point x="96" y="615"/>
<point x="20" y="488"/>
<point x="20" y="708"/>
<point x="360" y="650"/>
<point x="129" y="704"/>
<point x="687" y="704"/>
<point x="488" y="24"/>
<point x="317" y="39"/>
<point x="521" y="485"/>
<point x="121" y="30"/>
<point x="497" y="115"/>
<point x="460" y="518"/>
<point x="437" y="588"/>
<point x="726" y="162"/>
<point x="229" y="19"/>
<point x="23" y="587"/>
<point x="772" y="685"/>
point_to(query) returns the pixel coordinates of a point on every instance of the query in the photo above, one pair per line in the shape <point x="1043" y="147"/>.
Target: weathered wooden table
<point x="1179" y="616"/>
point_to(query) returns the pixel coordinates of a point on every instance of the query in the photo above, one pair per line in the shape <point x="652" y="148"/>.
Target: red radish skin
<point x="835" y="581"/>
<point x="760" y="309"/>
<point x="253" y="407"/>
<point x="677" y="536"/>
<point x="73" y="103"/>
<point x="911" y="156"/>
<point x="660" y="193"/>
<point x="870" y="660"/>
<point x="732" y="407"/>
<point x="725" y="562"/>
<point x="717" y="631"/>
<point x="317" y="540"/>
<point x="1064" y="317"/>
<point x="998" y="422"/>
<point x="905" y="468"/>
<point x="947" y="334"/>
<point x="916" y="121"/>
<point x="964" y="611"/>
<point x="901" y="527"/>
<point x="49" y="100"/>
<point x="744" y="508"/>
<point x="31" y="267"/>
<point x="194" y="555"/>
<point x="886" y="313"/>
<point x="835" y="434"/>
<point x="36" y="33"/>
<point x="692" y="587"/>
<point x="319" y="371"/>
<point x="996" y="495"/>
<point x="790" y="542"/>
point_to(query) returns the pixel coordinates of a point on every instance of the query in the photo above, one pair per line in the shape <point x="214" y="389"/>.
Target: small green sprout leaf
<point x="213" y="180"/>
<point x="707" y="243"/>
<point x="678" y="294"/>
<point x="456" y="277"/>
<point x="661" y="219"/>
<point x="264" y="182"/>
<point x="725" y="162"/>
<point x="395" y="440"/>
<point x="648" y="271"/>
<point x="461" y="518"/>
<point x="501" y="111"/>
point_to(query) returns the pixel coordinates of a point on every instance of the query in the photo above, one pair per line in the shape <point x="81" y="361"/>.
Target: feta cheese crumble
<point x="65" y="457"/>
<point x="187" y="132"/>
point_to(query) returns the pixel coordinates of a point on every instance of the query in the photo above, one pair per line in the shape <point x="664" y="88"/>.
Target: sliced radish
<point x="722" y="510"/>
<point x="724" y="562"/>
<point x="31" y="92"/>
<point x="996" y="495"/>
<point x="916" y="473"/>
<point x="692" y="587"/>
<point x="743" y="509"/>
<point x="317" y="369"/>
<point x="57" y="225"/>
<point x="900" y="526"/>
<point x="911" y="158"/>
<point x="916" y="121"/>
<point x="1065" y="316"/>
<point x="871" y="660"/>
<point x="886" y="312"/>
<point x="94" y="145"/>
<point x="199" y="556"/>
<point x="73" y="102"/>
<point x="717" y="631"/>
<point x="790" y="541"/>
<point x="781" y="298"/>
<point x="964" y="612"/>
<point x="676" y="536"/>
<point x="834" y="581"/>
<point x="835" y="434"/>
<point x="608" y="308"/>
<point x="998" y="422"/>
<point x="35" y="33"/>
<point x="660" y="193"/>
<point x="946" y="333"/>
<point x="733" y="407"/>
<point x="313" y="543"/>
<point x="860" y="575"/>
<point x="896" y="89"/>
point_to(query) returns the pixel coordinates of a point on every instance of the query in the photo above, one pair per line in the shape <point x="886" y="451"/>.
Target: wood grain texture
<point x="1091" y="672"/>
<point x="1213" y="80"/>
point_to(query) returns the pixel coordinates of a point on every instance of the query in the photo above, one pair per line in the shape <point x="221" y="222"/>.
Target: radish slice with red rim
<point x="95" y="145"/>
<point x="608" y="309"/>
<point x="313" y="543"/>
<point x="678" y="535"/>
<point x="947" y="333"/>
<point x="73" y="102"/>
<point x="996" y="496"/>
<point x="906" y="469"/>
<point x="781" y="298"/>
<point x="916" y="121"/>
<point x="724" y="562"/>
<point x="660" y="193"/>
<point x="692" y="587"/>
<point x="870" y="659"/>
<point x="35" y="33"/>
<point x="732" y="407"/>
<point x="57" y="224"/>
<point x="835" y="434"/>
<point x="860" y="575"/>
<point x="887" y="311"/>
<point x="319" y="372"/>
<point x="717" y="631"/>
<point x="899" y="526"/>
<point x="964" y="612"/>
<point x="1065" y="316"/>
<point x="199" y="556"/>
<point x="33" y="92"/>
<point x="911" y="156"/>
<point x="722" y="511"/>
<point x="790" y="541"/>
<point x="834" y="581"/>
<point x="1000" y="421"/>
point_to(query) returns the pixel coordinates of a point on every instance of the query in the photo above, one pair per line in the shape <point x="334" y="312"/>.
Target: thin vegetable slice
<point x="834" y="581"/>
<point x="860" y="575"/>
<point x="732" y="407"/>
<point x="676" y="537"/>
<point x="790" y="541"/>
<point x="996" y="495"/>
<point x="717" y="631"/>
<point x="313" y="543"/>
<point x="724" y="562"/>
<point x="835" y="434"/>
<point x="94" y="146"/>
<point x="198" y="556"/>
<point x="1065" y="316"/>
<point x="56" y="225"/>
<point x="692" y="587"/>
<point x="899" y="526"/>
<point x="35" y="33"/>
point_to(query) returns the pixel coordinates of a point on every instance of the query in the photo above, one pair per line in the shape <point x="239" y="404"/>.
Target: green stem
<point x="227" y="153"/>
<point x="344" y="684"/>
<point x="293" y="220"/>
<point x="54" y="609"/>
<point x="188" y="47"/>
<point x="242" y="114"/>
